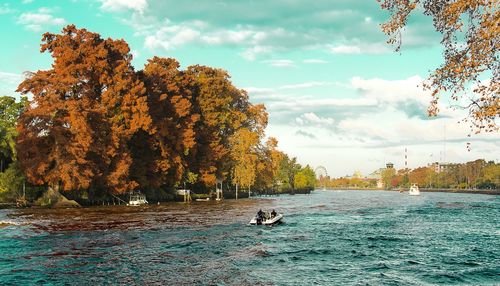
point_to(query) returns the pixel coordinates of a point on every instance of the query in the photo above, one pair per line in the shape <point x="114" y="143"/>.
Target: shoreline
<point x="425" y="190"/>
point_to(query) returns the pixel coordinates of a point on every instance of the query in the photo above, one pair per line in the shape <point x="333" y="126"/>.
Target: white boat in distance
<point x="414" y="191"/>
<point x="137" y="200"/>
<point x="267" y="220"/>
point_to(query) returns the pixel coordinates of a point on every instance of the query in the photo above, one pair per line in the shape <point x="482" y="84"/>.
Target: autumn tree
<point x="265" y="170"/>
<point x="161" y="158"/>
<point x="223" y="110"/>
<point x="243" y="154"/>
<point x="244" y="146"/>
<point x="470" y="32"/>
<point x="421" y="176"/>
<point x="75" y="131"/>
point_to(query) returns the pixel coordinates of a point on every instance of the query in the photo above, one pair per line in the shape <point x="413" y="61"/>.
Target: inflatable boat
<point x="266" y="220"/>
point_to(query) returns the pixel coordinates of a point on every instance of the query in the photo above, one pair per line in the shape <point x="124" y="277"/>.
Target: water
<point x="329" y="238"/>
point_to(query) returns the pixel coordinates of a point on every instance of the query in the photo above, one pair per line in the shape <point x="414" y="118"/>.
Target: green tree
<point x="387" y="175"/>
<point x="10" y="110"/>
<point x="491" y="176"/>
<point x="305" y="178"/>
<point x="11" y="183"/>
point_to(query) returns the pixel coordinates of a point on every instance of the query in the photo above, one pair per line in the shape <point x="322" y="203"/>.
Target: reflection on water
<point x="353" y="238"/>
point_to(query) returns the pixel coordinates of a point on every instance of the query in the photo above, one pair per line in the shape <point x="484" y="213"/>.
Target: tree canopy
<point x="470" y="32"/>
<point x="85" y="109"/>
<point x="96" y="123"/>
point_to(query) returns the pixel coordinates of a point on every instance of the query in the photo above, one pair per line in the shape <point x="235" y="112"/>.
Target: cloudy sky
<point x="336" y="93"/>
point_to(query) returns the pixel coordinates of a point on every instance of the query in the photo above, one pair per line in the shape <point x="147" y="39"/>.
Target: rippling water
<point x="328" y="238"/>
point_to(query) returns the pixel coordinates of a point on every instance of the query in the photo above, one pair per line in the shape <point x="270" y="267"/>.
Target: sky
<point x="337" y="95"/>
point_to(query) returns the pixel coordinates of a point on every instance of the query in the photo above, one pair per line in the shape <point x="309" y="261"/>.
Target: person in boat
<point x="260" y="214"/>
<point x="273" y="213"/>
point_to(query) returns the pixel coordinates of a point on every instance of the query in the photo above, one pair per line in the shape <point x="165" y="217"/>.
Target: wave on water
<point x="6" y="223"/>
<point x="329" y="238"/>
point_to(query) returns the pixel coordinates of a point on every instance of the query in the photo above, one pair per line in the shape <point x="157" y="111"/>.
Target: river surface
<point x="328" y="238"/>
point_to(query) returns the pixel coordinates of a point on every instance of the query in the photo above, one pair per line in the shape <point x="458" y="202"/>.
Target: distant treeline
<point x="96" y="127"/>
<point x="478" y="174"/>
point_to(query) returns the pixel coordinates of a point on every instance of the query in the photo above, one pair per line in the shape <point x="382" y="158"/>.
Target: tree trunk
<point x="236" y="191"/>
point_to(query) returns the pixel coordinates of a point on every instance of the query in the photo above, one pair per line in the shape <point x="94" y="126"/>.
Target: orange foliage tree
<point x="162" y="158"/>
<point x="95" y="123"/>
<point x="222" y="109"/>
<point x="471" y="39"/>
<point x="84" y="110"/>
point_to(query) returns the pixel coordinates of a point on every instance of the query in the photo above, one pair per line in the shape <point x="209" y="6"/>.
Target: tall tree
<point x="243" y="153"/>
<point x="471" y="40"/>
<point x="162" y="157"/>
<point x="85" y="109"/>
<point x="223" y="110"/>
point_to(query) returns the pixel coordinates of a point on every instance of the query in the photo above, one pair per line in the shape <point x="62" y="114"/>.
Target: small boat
<point x="203" y="200"/>
<point x="267" y="219"/>
<point x="137" y="200"/>
<point x="414" y="191"/>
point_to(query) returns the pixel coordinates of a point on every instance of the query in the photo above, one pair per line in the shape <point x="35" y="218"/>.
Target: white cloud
<point x="309" y="84"/>
<point x="393" y="91"/>
<point x="168" y="36"/>
<point x="312" y="119"/>
<point x="345" y="49"/>
<point x="290" y="104"/>
<point x="38" y="21"/>
<point x="120" y="5"/>
<point x="260" y="30"/>
<point x="305" y="134"/>
<point x="360" y="48"/>
<point x="9" y="83"/>
<point x="228" y="37"/>
<point x="253" y="52"/>
<point x="280" y="63"/>
<point x="314" y="61"/>
<point x="277" y="91"/>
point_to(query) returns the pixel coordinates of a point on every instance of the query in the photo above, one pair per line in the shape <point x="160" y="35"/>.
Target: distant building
<point x="389" y="165"/>
<point x="443" y="167"/>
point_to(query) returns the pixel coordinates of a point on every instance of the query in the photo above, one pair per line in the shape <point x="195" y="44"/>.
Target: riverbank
<point x="426" y="190"/>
